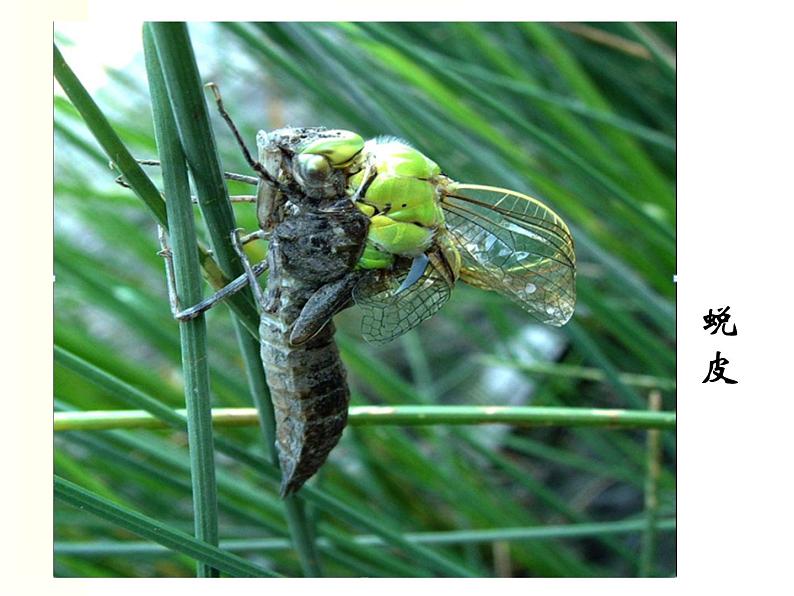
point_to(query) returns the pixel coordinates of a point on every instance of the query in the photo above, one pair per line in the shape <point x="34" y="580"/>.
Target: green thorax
<point x="395" y="185"/>
<point x="402" y="183"/>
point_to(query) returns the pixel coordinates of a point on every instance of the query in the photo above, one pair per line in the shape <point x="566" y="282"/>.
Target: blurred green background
<point x="581" y="116"/>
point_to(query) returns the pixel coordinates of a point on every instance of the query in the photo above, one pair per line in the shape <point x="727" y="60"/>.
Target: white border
<point x="735" y="214"/>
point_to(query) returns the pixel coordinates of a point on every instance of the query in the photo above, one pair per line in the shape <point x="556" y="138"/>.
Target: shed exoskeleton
<point x="376" y="223"/>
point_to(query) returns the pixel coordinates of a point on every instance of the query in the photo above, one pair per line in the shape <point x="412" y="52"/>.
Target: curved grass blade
<point x="106" y="136"/>
<point x="140" y="183"/>
<point x="146" y="527"/>
<point x="172" y="466"/>
<point x="658" y="229"/>
<point x="572" y="72"/>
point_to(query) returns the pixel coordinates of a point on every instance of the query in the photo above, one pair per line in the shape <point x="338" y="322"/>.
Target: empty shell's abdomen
<point x="310" y="397"/>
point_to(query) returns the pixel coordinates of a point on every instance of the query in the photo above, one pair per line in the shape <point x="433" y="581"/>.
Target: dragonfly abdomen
<point x="308" y="387"/>
<point x="312" y="258"/>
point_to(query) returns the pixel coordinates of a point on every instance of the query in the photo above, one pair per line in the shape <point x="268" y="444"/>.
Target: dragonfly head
<point x="319" y="165"/>
<point x="317" y="177"/>
<point x="312" y="169"/>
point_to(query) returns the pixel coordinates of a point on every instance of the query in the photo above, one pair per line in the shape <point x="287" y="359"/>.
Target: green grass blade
<point x="107" y="137"/>
<point x="550" y="532"/>
<point x="173" y="466"/>
<point x="571" y="71"/>
<point x="574" y="106"/>
<point x="654" y="226"/>
<point x="185" y="93"/>
<point x="385" y="530"/>
<point x="193" y="333"/>
<point x="661" y="53"/>
<point x="653" y="467"/>
<point x="146" y="527"/>
<point x="582" y="372"/>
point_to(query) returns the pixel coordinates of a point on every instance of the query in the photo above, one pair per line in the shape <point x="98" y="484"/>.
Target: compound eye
<point x="313" y="167"/>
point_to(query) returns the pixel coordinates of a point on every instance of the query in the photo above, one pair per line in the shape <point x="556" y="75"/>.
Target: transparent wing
<point x="387" y="314"/>
<point x="514" y="245"/>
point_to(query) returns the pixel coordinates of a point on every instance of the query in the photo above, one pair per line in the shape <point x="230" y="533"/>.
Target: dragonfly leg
<point x="322" y="306"/>
<point x="252" y="180"/>
<point x="258" y="235"/>
<point x="121" y="182"/>
<point x="170" y="277"/>
<point x="233" y="198"/>
<point x="268" y="166"/>
<point x="237" y="242"/>
<point x="232" y="287"/>
<point x="229" y="289"/>
<point x="255" y="165"/>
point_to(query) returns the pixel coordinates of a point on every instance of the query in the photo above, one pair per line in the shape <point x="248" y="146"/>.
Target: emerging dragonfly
<point x="376" y="223"/>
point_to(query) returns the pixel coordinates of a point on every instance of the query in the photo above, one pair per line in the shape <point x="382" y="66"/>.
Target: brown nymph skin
<point x="316" y="238"/>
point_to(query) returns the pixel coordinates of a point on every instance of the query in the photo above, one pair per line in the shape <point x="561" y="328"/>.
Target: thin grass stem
<point x="551" y="532"/>
<point x="584" y="373"/>
<point x="653" y="470"/>
<point x="394" y="416"/>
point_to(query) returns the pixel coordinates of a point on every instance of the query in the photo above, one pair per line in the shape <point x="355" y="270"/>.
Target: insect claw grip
<point x="121" y="182"/>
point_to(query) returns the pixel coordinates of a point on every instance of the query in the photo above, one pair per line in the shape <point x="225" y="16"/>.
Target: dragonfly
<point x="374" y="223"/>
<point x="489" y="237"/>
